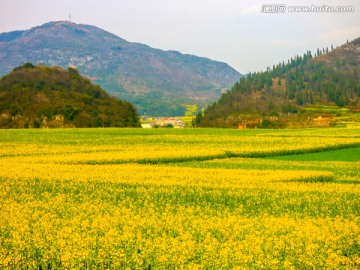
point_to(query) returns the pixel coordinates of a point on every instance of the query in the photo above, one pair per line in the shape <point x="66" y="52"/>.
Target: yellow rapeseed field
<point x="178" y="199"/>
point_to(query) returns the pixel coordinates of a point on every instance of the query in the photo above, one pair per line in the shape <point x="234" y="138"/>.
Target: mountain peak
<point x="157" y="81"/>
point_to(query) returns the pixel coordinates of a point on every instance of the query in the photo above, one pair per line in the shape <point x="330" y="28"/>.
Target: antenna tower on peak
<point x="69" y="17"/>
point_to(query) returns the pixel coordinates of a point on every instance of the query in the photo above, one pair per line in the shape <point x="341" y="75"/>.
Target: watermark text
<point x="282" y="8"/>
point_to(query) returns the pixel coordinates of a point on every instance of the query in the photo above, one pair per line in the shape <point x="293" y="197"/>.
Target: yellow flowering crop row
<point x="207" y="147"/>
<point x="160" y="175"/>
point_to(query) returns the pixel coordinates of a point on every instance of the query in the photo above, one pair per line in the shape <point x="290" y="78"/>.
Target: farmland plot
<point x="178" y="199"/>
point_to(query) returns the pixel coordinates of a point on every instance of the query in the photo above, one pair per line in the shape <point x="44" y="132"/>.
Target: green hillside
<point x="306" y="91"/>
<point x="38" y="96"/>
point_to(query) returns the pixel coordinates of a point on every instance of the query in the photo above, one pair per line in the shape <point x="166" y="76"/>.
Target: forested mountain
<point x="38" y="96"/>
<point x="287" y="91"/>
<point x="156" y="81"/>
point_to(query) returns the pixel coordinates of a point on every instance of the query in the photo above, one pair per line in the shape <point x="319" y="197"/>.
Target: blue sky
<point x="231" y="31"/>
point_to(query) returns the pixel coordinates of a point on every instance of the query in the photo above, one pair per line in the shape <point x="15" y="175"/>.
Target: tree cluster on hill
<point x="286" y="88"/>
<point x="39" y="96"/>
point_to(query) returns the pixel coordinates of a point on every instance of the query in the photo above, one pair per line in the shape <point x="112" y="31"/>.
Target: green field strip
<point x="346" y="154"/>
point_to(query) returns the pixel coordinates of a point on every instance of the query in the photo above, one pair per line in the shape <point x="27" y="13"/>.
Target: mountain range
<point x="158" y="82"/>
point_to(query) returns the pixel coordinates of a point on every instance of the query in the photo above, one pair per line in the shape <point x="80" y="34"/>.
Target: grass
<point x="349" y="154"/>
